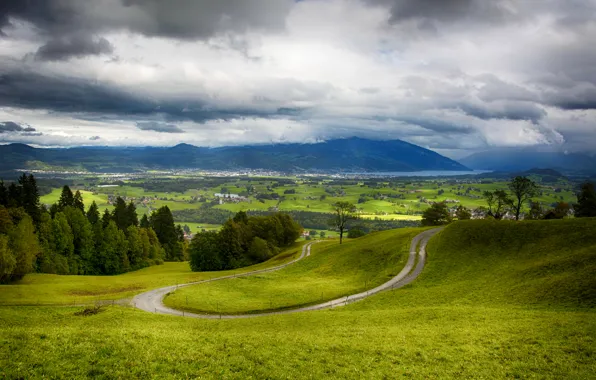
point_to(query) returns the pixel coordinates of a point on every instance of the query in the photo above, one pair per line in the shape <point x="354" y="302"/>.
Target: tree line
<point x="521" y="192"/>
<point x="67" y="239"/>
<point x="242" y="241"/>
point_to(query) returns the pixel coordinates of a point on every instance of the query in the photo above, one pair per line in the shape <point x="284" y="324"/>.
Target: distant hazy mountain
<point x="353" y="154"/>
<point x="509" y="160"/>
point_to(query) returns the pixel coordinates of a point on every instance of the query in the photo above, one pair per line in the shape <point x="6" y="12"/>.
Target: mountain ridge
<point x="350" y="154"/>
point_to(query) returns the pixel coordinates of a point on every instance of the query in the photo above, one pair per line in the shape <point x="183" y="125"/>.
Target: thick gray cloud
<point x="187" y="19"/>
<point x="9" y="126"/>
<point x="159" y="127"/>
<point x="78" y="45"/>
<point x="450" y="74"/>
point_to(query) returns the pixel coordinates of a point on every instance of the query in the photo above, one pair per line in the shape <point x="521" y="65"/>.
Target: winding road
<point x="152" y="301"/>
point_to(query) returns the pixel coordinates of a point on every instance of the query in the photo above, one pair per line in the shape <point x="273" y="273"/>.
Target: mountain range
<point x="348" y="155"/>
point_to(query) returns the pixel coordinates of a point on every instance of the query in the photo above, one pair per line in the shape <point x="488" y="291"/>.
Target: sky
<point x="454" y="76"/>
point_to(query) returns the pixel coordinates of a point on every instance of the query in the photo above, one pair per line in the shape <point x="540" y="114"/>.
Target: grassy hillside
<point x="496" y="300"/>
<point x="332" y="271"/>
<point x="50" y="289"/>
<point x="546" y="263"/>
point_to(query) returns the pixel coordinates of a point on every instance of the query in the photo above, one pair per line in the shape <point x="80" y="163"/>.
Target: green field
<point x="50" y="289"/>
<point x="332" y="271"/>
<point x="496" y="300"/>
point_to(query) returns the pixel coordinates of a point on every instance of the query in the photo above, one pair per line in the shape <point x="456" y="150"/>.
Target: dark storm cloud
<point x="504" y="110"/>
<point x="445" y="10"/>
<point x="186" y="19"/>
<point x="35" y="91"/>
<point x="10" y="126"/>
<point x="94" y="138"/>
<point x="159" y="127"/>
<point x="73" y="46"/>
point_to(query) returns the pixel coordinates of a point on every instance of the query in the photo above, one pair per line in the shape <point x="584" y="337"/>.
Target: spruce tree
<point x="145" y="222"/>
<point x="106" y="218"/>
<point x="66" y="198"/>
<point x="83" y="241"/>
<point x="77" y="202"/>
<point x="586" y="201"/>
<point x="3" y="194"/>
<point x="120" y="214"/>
<point x="135" y="246"/>
<point x="133" y="218"/>
<point x="93" y="213"/>
<point x="30" y="197"/>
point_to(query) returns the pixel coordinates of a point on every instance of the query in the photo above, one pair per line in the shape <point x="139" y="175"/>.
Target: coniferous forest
<point x="69" y="239"/>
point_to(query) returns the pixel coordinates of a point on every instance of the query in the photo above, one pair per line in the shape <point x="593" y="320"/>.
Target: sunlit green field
<point x="332" y="271"/>
<point x="505" y="300"/>
<point x="49" y="289"/>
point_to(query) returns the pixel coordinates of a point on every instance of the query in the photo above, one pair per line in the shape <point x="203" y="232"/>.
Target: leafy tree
<point x="230" y="243"/>
<point x="93" y="213"/>
<point x="497" y="202"/>
<point x="6" y="223"/>
<point x="259" y="250"/>
<point x="312" y="233"/>
<point x="560" y="211"/>
<point x="77" y="202"/>
<point x="24" y="246"/>
<point x="343" y="211"/>
<point x="536" y="211"/>
<point x="322" y="234"/>
<point x="241" y="217"/>
<point x="437" y="214"/>
<point x="586" y="201"/>
<point x="355" y="232"/>
<point x="62" y="241"/>
<point x="186" y="229"/>
<point x="135" y="246"/>
<point x="523" y="190"/>
<point x="113" y="252"/>
<point x="7" y="260"/>
<point x="205" y="252"/>
<point x="463" y="213"/>
<point x="66" y="198"/>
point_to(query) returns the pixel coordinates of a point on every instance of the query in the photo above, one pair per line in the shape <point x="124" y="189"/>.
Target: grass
<point x="473" y="313"/>
<point x="48" y="289"/>
<point x="332" y="271"/>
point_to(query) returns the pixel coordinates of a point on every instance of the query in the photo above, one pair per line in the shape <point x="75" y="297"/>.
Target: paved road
<point x="152" y="301"/>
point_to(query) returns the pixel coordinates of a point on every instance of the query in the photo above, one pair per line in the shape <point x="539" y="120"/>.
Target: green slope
<point x="496" y="300"/>
<point x="331" y="271"/>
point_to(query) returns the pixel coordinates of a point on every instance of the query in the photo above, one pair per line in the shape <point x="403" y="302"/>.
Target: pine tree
<point x="93" y="213"/>
<point x="120" y="214"/>
<point x="106" y="219"/>
<point x="3" y="194"/>
<point x="83" y="241"/>
<point x="162" y="222"/>
<point x="30" y="197"/>
<point x="14" y="196"/>
<point x="145" y="222"/>
<point x="133" y="218"/>
<point x="135" y="246"/>
<point x="77" y="202"/>
<point x="66" y="198"/>
<point x="586" y="201"/>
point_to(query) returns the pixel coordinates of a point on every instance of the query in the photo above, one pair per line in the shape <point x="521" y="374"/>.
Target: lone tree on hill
<point x="497" y="201"/>
<point x="586" y="201"/>
<point x="436" y="215"/>
<point x="344" y="211"/>
<point x="523" y="189"/>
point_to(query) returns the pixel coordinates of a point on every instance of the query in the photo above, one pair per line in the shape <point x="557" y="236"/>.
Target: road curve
<point x="152" y="301"/>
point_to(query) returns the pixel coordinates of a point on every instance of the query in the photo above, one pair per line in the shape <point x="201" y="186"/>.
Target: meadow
<point x="496" y="300"/>
<point x="332" y="271"/>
